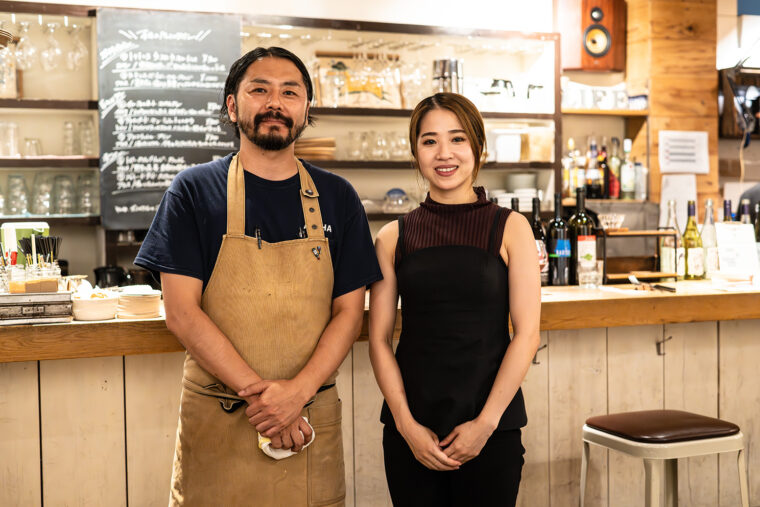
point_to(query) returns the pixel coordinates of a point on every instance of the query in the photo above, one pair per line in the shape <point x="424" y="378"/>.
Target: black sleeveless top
<point x="454" y="310"/>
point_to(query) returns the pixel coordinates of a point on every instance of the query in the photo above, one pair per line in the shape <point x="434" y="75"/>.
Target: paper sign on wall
<point x="683" y="152"/>
<point x="737" y="252"/>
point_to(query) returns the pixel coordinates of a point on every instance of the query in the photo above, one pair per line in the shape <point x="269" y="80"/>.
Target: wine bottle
<point x="745" y="216"/>
<point x="627" y="173"/>
<point x="672" y="255"/>
<point x="540" y="237"/>
<point x="727" y="216"/>
<point x="593" y="175"/>
<point x="709" y="241"/>
<point x="757" y="229"/>
<point x="559" y="246"/>
<point x="613" y="164"/>
<point x="692" y="242"/>
<point x="568" y="169"/>
<point x="582" y="238"/>
<point x="516" y="204"/>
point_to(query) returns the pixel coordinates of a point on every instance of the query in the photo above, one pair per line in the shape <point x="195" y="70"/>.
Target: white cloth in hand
<point x="265" y="444"/>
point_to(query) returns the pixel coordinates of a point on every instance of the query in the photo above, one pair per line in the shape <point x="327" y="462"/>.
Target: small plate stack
<point x="139" y="302"/>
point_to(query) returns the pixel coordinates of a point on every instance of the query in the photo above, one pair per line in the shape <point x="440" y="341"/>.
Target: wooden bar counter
<point x="561" y="308"/>
<point x="88" y="411"/>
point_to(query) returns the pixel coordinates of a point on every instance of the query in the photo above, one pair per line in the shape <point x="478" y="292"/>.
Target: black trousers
<point x="490" y="479"/>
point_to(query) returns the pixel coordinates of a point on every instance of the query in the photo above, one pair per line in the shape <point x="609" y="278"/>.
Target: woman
<point x="454" y="408"/>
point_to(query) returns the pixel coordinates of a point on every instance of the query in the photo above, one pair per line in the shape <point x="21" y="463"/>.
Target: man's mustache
<point x="271" y="115"/>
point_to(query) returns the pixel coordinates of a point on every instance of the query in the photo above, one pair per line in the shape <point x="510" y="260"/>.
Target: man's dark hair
<point x="238" y="69"/>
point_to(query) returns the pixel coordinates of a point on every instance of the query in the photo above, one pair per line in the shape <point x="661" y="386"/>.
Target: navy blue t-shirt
<point x="186" y="233"/>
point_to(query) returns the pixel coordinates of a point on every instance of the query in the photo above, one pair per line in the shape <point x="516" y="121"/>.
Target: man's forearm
<point x="336" y="340"/>
<point x="211" y="348"/>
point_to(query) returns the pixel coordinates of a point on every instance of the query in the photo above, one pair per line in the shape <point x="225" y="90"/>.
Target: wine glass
<point x="51" y="56"/>
<point x="26" y="51"/>
<point x="7" y="62"/>
<point x="76" y="57"/>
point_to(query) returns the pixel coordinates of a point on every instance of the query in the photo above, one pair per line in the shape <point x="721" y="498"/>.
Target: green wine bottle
<point x="692" y="242"/>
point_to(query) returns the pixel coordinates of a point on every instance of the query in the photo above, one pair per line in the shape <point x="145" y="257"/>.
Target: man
<point x="264" y="261"/>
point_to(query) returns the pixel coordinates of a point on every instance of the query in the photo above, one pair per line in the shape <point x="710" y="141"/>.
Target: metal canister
<point x="448" y="75"/>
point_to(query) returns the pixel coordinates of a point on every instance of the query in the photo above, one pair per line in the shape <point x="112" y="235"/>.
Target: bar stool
<point x="660" y="437"/>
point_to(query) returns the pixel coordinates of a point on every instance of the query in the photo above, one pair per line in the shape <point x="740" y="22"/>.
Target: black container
<point x="111" y="276"/>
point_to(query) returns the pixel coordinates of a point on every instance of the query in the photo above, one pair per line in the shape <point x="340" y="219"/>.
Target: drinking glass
<point x="42" y="191"/>
<point x="9" y="139"/>
<point x="76" y="58"/>
<point x="355" y="140"/>
<point x="378" y="146"/>
<point x="17" y="202"/>
<point x="69" y="139"/>
<point x="51" y="56"/>
<point x="7" y="64"/>
<point x="32" y="147"/>
<point x="87" y="194"/>
<point x="64" y="195"/>
<point x="26" y="52"/>
<point x="588" y="275"/>
<point x="87" y="138"/>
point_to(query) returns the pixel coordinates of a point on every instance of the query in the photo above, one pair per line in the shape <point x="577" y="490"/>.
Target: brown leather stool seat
<point x="662" y="426"/>
<point x="660" y="438"/>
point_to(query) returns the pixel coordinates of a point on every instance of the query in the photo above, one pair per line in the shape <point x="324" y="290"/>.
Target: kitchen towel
<point x="265" y="444"/>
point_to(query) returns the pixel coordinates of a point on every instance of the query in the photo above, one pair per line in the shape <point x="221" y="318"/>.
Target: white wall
<point x="491" y="14"/>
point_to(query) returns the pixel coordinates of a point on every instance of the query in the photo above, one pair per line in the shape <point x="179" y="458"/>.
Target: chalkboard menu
<point x="160" y="80"/>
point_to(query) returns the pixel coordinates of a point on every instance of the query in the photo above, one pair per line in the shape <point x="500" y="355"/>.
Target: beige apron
<point x="272" y="301"/>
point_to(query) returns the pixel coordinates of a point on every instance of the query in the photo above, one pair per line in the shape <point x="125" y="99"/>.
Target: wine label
<point x="668" y="259"/>
<point x="559" y="248"/>
<point x="543" y="259"/>
<point x="587" y="250"/>
<point x="695" y="261"/>
<point x="711" y="260"/>
<point x="680" y="261"/>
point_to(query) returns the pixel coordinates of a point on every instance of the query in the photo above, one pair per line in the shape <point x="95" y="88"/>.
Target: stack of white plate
<point x="524" y="195"/>
<point x="139" y="302"/>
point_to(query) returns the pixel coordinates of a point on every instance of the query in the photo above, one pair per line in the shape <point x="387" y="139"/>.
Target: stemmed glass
<point x="76" y="57"/>
<point x="26" y="51"/>
<point x="51" y="56"/>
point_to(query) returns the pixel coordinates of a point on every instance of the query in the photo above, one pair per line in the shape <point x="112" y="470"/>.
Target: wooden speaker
<point x="592" y="34"/>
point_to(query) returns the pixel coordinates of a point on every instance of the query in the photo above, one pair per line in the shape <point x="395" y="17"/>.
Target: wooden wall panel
<point x="153" y="384"/>
<point x="345" y="386"/>
<point x="83" y="454"/>
<point x="739" y="401"/>
<point x="691" y="384"/>
<point x="370" y="484"/>
<point x="684" y="20"/>
<point x="635" y="382"/>
<point x="688" y="95"/>
<point x="693" y="57"/>
<point x="577" y="391"/>
<point x="19" y="435"/>
<point x="534" y="490"/>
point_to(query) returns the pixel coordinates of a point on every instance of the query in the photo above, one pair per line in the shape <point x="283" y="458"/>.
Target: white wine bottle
<point x="709" y="240"/>
<point x="672" y="254"/>
<point x="692" y="242"/>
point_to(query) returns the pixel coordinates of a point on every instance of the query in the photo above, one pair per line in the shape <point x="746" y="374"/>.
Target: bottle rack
<point x="642" y="274"/>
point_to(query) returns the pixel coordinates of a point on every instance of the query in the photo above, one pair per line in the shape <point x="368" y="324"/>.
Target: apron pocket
<point x="327" y="476"/>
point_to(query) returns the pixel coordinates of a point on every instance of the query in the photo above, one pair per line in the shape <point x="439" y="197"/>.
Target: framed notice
<point x="683" y="152"/>
<point x="160" y="81"/>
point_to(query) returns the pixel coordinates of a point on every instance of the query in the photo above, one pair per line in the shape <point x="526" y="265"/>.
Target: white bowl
<point x="95" y="308"/>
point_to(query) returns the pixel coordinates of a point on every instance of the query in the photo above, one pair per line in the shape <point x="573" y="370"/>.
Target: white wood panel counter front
<point x="88" y="411"/>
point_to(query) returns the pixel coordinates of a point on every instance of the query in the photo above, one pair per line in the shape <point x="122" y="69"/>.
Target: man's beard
<point x="272" y="140"/>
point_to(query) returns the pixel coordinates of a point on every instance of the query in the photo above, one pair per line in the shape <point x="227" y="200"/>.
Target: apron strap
<point x="236" y="201"/>
<point x="312" y="215"/>
<point x="235" y="198"/>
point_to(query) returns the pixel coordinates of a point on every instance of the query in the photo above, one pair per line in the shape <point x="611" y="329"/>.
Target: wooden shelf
<point x="628" y="113"/>
<point x="406" y="113"/>
<point x="641" y="275"/>
<point x="402" y="164"/>
<point x="48" y="104"/>
<point x="55" y="220"/>
<point x="636" y="234"/>
<point x="75" y="161"/>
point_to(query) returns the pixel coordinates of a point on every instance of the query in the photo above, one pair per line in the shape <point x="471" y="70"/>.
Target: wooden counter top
<point x="561" y="308"/>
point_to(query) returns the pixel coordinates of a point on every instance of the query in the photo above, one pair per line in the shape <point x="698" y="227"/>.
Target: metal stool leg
<point x="584" y="471"/>
<point x="671" y="482"/>
<point x="741" y="461"/>
<point x="653" y="475"/>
